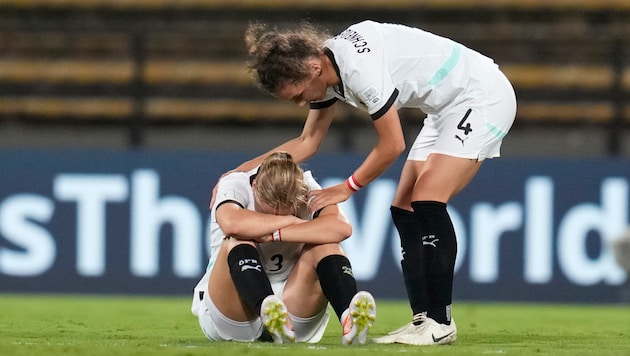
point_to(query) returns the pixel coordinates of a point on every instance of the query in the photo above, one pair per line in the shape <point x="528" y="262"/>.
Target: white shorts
<point x="472" y="128"/>
<point x="218" y="327"/>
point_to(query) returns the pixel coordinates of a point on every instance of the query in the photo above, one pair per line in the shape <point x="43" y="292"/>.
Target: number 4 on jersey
<point x="466" y="128"/>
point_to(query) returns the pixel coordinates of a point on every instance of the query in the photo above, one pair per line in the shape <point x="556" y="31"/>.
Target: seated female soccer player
<point x="274" y="265"/>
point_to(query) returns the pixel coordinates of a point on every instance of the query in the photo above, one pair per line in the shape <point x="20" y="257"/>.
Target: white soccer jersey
<point x="277" y="259"/>
<point x="381" y="65"/>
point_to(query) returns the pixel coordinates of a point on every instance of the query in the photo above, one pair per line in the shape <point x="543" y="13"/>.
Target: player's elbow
<point x="230" y="226"/>
<point x="343" y="230"/>
<point x="309" y="146"/>
<point x="391" y="151"/>
<point x="401" y="147"/>
<point x="396" y="145"/>
<point x="346" y="231"/>
<point x="398" y="149"/>
<point x="391" y="147"/>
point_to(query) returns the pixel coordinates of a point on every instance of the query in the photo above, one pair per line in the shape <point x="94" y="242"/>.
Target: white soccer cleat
<point x="274" y="316"/>
<point x="390" y="338"/>
<point x="429" y="332"/>
<point x="358" y="319"/>
<point x="449" y="333"/>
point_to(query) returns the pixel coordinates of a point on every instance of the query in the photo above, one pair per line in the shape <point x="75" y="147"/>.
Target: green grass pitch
<point x="101" y="325"/>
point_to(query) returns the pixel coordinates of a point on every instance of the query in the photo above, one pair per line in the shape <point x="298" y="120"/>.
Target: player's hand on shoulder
<point x="320" y="199"/>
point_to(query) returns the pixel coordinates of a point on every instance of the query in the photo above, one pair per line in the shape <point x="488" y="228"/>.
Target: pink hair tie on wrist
<point x="276" y="236"/>
<point x="352" y="184"/>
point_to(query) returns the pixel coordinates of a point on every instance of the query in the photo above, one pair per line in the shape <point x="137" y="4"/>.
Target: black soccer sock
<point x="440" y="251"/>
<point x="412" y="263"/>
<point x="248" y="276"/>
<point x="337" y="281"/>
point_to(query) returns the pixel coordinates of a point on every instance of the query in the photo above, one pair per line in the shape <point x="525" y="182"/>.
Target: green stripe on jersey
<point x="498" y="133"/>
<point x="447" y="67"/>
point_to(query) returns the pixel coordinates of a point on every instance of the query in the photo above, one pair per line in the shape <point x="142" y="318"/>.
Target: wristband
<point x="276" y="236"/>
<point x="352" y="184"/>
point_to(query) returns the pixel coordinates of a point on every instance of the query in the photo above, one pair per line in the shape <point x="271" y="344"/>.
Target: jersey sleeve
<point x="328" y="101"/>
<point x="233" y="188"/>
<point x="311" y="182"/>
<point x="366" y="70"/>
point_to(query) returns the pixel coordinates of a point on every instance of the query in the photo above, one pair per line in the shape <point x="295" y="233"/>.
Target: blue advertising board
<point x="135" y="222"/>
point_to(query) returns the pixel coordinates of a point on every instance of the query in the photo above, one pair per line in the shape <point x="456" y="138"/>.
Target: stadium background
<point x="116" y="118"/>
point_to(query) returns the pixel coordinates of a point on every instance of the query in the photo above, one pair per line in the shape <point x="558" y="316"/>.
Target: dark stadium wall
<point x="117" y="222"/>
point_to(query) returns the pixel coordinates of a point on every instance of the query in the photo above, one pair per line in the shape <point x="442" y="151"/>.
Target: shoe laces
<point x="419" y="318"/>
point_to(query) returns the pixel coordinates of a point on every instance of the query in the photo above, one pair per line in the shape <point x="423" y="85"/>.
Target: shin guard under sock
<point x="337" y="282"/>
<point x="413" y="266"/>
<point x="440" y="251"/>
<point x="248" y="276"/>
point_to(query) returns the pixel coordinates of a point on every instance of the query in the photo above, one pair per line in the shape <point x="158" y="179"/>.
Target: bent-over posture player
<point x="276" y="264"/>
<point x="380" y="68"/>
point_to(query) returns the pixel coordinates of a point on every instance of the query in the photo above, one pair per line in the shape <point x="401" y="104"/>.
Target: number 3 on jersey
<point x="277" y="260"/>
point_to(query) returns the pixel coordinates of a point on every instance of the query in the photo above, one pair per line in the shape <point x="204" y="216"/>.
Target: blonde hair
<point x="279" y="57"/>
<point x="280" y="184"/>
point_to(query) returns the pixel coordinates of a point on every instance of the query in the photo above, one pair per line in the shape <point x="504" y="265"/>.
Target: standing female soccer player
<point x="380" y="68"/>
<point x="274" y="263"/>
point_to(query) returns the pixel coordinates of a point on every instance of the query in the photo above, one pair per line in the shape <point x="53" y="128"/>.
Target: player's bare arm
<point x="391" y="143"/>
<point x="304" y="146"/>
<point x="246" y="224"/>
<point x="330" y="226"/>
